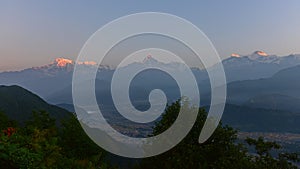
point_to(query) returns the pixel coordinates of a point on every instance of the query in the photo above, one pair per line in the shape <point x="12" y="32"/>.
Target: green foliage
<point x="43" y="144"/>
<point x="40" y="120"/>
<point x="264" y="159"/>
<point x="40" y="144"/>
<point x="76" y="143"/>
<point x="220" y="151"/>
<point x="6" y="122"/>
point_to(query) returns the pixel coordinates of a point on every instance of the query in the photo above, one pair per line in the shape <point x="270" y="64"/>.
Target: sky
<point x="35" y="32"/>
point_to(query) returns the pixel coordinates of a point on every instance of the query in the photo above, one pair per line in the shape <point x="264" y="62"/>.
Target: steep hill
<point x="18" y="103"/>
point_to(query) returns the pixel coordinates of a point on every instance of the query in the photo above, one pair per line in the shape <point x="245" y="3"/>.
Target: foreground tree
<point x="264" y="159"/>
<point x="77" y="145"/>
<point x="39" y="144"/>
<point x="220" y="151"/>
<point x="32" y="146"/>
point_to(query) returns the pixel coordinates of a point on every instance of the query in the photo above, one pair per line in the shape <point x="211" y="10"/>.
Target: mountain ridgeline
<point x="259" y="85"/>
<point x="18" y="104"/>
<point x="53" y="82"/>
<point x="281" y="91"/>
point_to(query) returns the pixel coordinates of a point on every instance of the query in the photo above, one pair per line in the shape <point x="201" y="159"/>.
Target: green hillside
<point x="18" y="103"/>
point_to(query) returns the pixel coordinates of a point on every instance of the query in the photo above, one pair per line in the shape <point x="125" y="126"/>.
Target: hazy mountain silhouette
<point x="257" y="65"/>
<point x="275" y="101"/>
<point x="282" y="89"/>
<point x="260" y="120"/>
<point x="53" y="81"/>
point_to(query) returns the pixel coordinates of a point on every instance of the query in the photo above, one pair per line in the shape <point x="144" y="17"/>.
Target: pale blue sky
<point x="34" y="32"/>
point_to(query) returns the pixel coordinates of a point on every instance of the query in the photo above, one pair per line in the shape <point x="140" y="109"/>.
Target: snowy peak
<point x="91" y="63"/>
<point x="235" y="55"/>
<point x="260" y="53"/>
<point x="261" y="56"/>
<point x="150" y="60"/>
<point x="61" y="65"/>
<point x="147" y="58"/>
<point x="257" y="56"/>
<point x="62" y="62"/>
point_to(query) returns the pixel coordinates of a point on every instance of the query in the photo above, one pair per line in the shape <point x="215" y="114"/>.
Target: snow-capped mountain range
<point x="257" y="65"/>
<point x="57" y="76"/>
<point x="262" y="57"/>
<point x="46" y="79"/>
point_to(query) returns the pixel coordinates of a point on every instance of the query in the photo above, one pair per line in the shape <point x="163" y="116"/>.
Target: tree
<point x="76" y="144"/>
<point x="38" y="145"/>
<point x="220" y="151"/>
<point x="264" y="159"/>
<point x="5" y="122"/>
<point x="33" y="146"/>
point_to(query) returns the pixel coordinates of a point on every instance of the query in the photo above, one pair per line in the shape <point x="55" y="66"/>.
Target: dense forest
<point x="42" y="142"/>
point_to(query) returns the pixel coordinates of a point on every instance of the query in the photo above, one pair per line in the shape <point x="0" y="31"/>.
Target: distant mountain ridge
<point x="281" y="91"/>
<point x="252" y="119"/>
<point x="53" y="80"/>
<point x="275" y="102"/>
<point x="44" y="80"/>
<point x="257" y="65"/>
